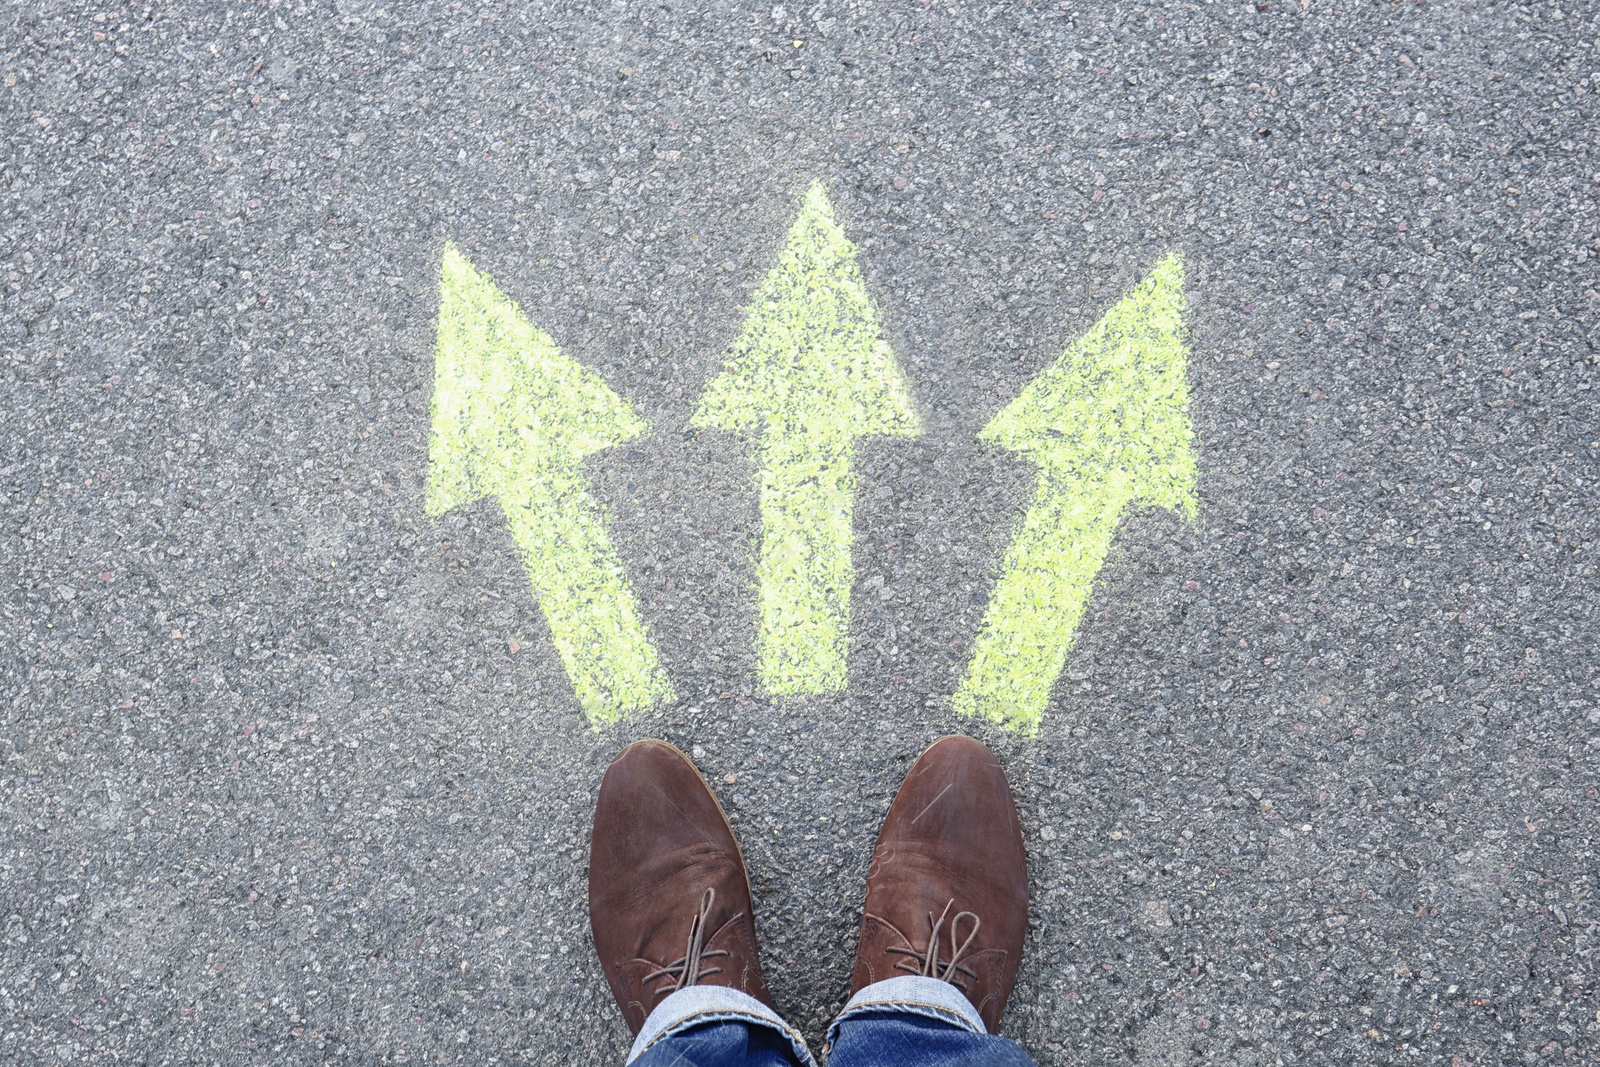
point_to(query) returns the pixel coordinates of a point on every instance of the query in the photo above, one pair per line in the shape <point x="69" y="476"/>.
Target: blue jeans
<point x="909" y="1021"/>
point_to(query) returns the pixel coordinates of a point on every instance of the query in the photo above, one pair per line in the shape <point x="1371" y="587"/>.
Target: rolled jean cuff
<point x="700" y="1005"/>
<point x="913" y="994"/>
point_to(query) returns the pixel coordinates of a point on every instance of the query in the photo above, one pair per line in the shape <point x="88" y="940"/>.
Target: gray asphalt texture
<point x="290" y="773"/>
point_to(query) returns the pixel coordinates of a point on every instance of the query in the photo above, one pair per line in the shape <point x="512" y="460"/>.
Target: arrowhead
<point x="811" y="357"/>
<point x="1116" y="403"/>
<point x="506" y="402"/>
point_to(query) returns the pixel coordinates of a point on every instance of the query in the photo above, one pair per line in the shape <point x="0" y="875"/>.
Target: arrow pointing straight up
<point x="810" y="372"/>
<point x="513" y="418"/>
<point x="1108" y="426"/>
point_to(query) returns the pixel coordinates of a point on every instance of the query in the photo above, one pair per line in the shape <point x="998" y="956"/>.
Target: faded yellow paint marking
<point x="513" y="418"/>
<point x="810" y="373"/>
<point x="1108" y="426"/>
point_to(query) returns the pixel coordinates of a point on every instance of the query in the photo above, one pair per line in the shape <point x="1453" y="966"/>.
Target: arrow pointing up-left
<point x="513" y="418"/>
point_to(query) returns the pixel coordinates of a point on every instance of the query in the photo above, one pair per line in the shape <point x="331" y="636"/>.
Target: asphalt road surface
<point x="291" y="772"/>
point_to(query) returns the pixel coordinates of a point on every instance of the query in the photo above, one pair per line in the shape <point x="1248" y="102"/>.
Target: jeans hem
<point x="701" y="1005"/>
<point x="913" y="994"/>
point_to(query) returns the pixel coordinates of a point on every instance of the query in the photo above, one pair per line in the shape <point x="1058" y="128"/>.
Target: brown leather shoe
<point x="947" y="893"/>
<point x="669" y="904"/>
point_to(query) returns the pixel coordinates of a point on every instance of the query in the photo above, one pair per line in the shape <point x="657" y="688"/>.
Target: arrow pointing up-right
<point x="1108" y="426"/>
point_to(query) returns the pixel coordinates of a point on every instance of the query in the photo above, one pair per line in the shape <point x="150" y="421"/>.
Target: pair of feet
<point x="669" y="902"/>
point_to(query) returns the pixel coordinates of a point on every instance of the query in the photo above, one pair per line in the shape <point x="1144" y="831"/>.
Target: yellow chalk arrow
<point x="1108" y="426"/>
<point x="810" y="373"/>
<point x="513" y="418"/>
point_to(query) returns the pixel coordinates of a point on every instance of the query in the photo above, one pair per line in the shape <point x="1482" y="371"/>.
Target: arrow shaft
<point x="1035" y="608"/>
<point x="804" y="573"/>
<point x="583" y="590"/>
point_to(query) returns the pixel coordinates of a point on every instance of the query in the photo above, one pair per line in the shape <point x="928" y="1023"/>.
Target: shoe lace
<point x="686" y="970"/>
<point x="928" y="963"/>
